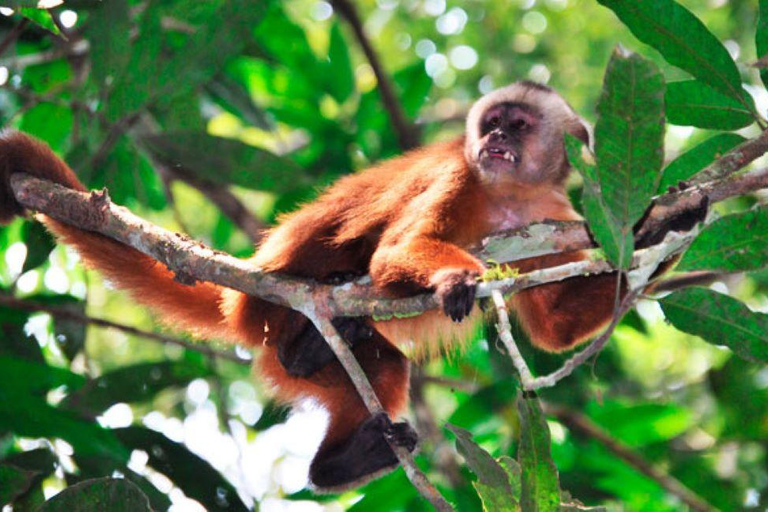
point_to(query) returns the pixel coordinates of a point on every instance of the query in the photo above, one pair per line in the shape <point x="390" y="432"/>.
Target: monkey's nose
<point x="498" y="135"/>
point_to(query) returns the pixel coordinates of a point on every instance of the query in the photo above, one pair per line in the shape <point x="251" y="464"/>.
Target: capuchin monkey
<point x="408" y="223"/>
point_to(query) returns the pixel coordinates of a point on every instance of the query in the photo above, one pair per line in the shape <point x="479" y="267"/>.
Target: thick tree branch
<point x="578" y="422"/>
<point x="63" y="313"/>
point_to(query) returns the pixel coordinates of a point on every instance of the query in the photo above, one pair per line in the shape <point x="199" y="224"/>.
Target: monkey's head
<point x="515" y="135"/>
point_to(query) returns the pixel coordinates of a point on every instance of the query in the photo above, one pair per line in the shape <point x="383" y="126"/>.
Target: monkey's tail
<point x="192" y="308"/>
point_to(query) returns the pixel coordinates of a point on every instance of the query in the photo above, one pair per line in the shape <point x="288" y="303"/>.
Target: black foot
<point x="308" y="352"/>
<point x="683" y="221"/>
<point x="364" y="456"/>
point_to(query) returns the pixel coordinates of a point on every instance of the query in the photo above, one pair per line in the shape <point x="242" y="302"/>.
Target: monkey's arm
<point x="416" y="254"/>
<point x="194" y="308"/>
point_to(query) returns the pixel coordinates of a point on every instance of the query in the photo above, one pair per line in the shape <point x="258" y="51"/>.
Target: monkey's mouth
<point x="497" y="159"/>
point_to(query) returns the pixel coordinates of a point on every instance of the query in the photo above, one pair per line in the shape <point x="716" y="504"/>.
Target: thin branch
<point x="64" y="313"/>
<point x="229" y="204"/>
<point x="688" y="279"/>
<point x="582" y="424"/>
<point x="320" y="315"/>
<point x="505" y="333"/>
<point x="13" y="35"/>
<point x="443" y="454"/>
<point x="597" y="345"/>
<point x="407" y="134"/>
<point x="735" y="159"/>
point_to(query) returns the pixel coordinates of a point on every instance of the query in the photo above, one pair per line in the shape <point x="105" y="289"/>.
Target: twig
<point x="688" y="279"/>
<point x="407" y="134"/>
<point x="580" y="423"/>
<point x="80" y="48"/>
<point x="547" y="381"/>
<point x="735" y="159"/>
<point x="225" y="200"/>
<point x="66" y="314"/>
<point x="320" y="315"/>
<point x="443" y="453"/>
<point x="505" y="333"/>
<point x="13" y="35"/>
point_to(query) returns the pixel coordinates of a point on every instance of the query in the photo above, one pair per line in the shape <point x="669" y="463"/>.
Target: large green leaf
<point x="629" y="144"/>
<point x="25" y="411"/>
<point x="227" y="161"/>
<point x="15" y="482"/>
<point x="98" y="495"/>
<point x="721" y="320"/>
<point x="682" y="39"/>
<point x="540" y="484"/>
<point x="761" y="39"/>
<point x="693" y="103"/>
<point x="604" y="227"/>
<point x="498" y="486"/>
<point x="193" y="475"/>
<point x="694" y="160"/>
<point x="733" y="243"/>
<point x="39" y="244"/>
<point x="132" y="384"/>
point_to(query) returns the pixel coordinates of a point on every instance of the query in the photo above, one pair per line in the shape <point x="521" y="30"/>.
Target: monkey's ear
<point x="582" y="130"/>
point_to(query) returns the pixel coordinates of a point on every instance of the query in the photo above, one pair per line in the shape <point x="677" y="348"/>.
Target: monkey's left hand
<point x="455" y="290"/>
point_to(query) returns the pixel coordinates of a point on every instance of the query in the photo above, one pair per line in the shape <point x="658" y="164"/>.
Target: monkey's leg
<point x="355" y="449"/>
<point x="308" y="352"/>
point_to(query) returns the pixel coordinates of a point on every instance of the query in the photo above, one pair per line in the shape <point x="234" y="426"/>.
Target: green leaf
<point x="734" y="243"/>
<point x="132" y="384"/>
<point x="721" y="320"/>
<point x="693" y="103"/>
<point x="629" y="145"/>
<point x="641" y="424"/>
<point x="494" y="481"/>
<point x="232" y="96"/>
<point x="193" y="475"/>
<point x="39" y="244"/>
<point x="604" y="227"/>
<point x="108" y="30"/>
<point x="70" y="334"/>
<point x="40" y="17"/>
<point x="761" y="38"/>
<point x="485" y="403"/>
<point x="25" y="411"/>
<point x="694" y="160"/>
<point x="155" y="74"/>
<point x="15" y="482"/>
<point x="682" y="39"/>
<point x="340" y="77"/>
<point x="227" y="161"/>
<point x="98" y="495"/>
<point x="540" y="484"/>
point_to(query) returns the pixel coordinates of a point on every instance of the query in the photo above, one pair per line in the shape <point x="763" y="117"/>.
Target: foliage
<point x="169" y="103"/>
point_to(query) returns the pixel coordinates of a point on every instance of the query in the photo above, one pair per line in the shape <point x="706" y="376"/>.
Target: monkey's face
<point x="515" y="136"/>
<point x="506" y="130"/>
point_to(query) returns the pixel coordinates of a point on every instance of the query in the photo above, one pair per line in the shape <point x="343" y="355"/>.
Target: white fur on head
<point x="557" y="113"/>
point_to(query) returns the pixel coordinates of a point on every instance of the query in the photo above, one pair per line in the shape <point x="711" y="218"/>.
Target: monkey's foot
<point x="309" y="352"/>
<point x="455" y="289"/>
<point x="365" y="456"/>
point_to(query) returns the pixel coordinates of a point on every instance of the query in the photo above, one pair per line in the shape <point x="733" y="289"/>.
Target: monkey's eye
<point x="494" y="122"/>
<point x="518" y="124"/>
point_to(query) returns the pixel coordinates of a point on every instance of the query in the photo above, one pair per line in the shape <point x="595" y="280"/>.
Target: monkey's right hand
<point x="455" y="289"/>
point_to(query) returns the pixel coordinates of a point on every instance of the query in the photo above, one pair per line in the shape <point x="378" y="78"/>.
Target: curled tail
<point x="192" y="308"/>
